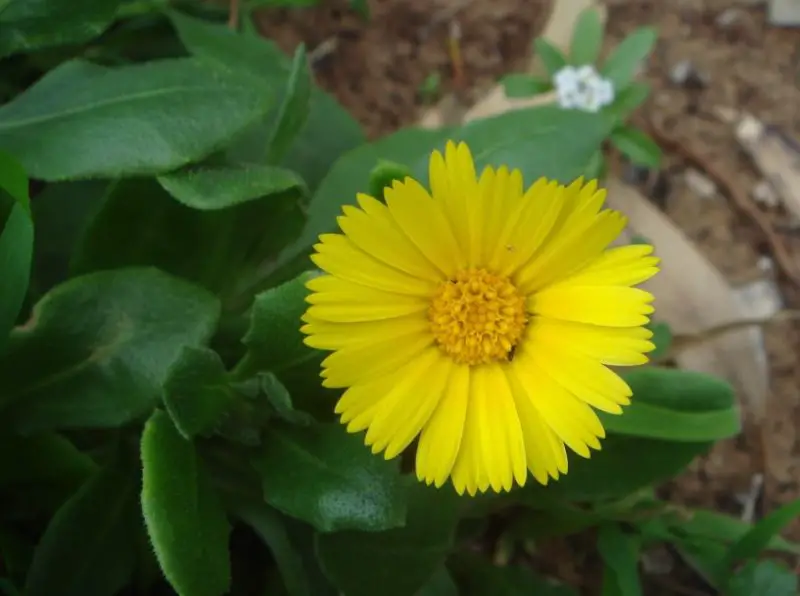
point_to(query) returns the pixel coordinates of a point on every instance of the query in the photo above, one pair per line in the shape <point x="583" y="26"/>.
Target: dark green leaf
<point x="621" y="65"/>
<point x="552" y="58"/>
<point x="520" y="85"/>
<point x="587" y="38"/>
<point x="636" y="146"/>
<point x="395" y="562"/>
<point x="329" y="130"/>
<point x="662" y="338"/>
<point x="758" y="538"/>
<point x="479" y="577"/>
<point x="197" y="392"/>
<point x="676" y="405"/>
<point x="183" y="513"/>
<point x="267" y="523"/>
<point x="88" y="546"/>
<point x="97" y="348"/>
<point x="294" y="110"/>
<point x="439" y="584"/>
<point x="620" y="553"/>
<point x="212" y="189"/>
<point x="329" y="478"/>
<point x="46" y="457"/>
<point x="763" y="577"/>
<point x="82" y="120"/>
<point x="361" y="7"/>
<point x="221" y="249"/>
<point x="27" y="25"/>
<point x="281" y="401"/>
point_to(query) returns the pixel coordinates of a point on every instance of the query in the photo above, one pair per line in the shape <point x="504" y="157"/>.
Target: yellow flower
<point x="480" y="317"/>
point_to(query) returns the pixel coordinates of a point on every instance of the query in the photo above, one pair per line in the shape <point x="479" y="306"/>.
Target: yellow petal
<point x="615" y="346"/>
<point x="613" y="306"/>
<point x="501" y="194"/>
<point x="325" y="335"/>
<point x="440" y="440"/>
<point x="619" y="266"/>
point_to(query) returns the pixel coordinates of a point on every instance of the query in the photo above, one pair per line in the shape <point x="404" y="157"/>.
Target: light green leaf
<point x="214" y="188"/>
<point x="97" y="349"/>
<point x="27" y="25"/>
<point x="184" y="515"/>
<point x="395" y="562"/>
<point x="384" y="175"/>
<point x="620" y="553"/>
<point x="294" y="110"/>
<point x="620" y="66"/>
<point x="676" y="405"/>
<point x="521" y="85"/>
<point x="197" y="392"/>
<point x="763" y="577"/>
<point x="758" y="538"/>
<point x="662" y="338"/>
<point x="636" y="146"/>
<point x="587" y="38"/>
<point x="552" y="58"/>
<point x="329" y="478"/>
<point x="82" y="120"/>
<point x="88" y="546"/>
<point x="630" y="98"/>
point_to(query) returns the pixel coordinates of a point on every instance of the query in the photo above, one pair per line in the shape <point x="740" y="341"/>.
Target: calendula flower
<point x="479" y="317"/>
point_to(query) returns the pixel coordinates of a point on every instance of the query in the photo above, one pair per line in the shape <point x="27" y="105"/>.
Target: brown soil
<point x="376" y="68"/>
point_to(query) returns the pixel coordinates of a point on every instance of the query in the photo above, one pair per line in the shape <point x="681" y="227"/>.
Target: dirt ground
<point x="377" y="68"/>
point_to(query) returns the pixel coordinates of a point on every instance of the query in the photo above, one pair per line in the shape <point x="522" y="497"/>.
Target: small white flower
<point x="582" y="88"/>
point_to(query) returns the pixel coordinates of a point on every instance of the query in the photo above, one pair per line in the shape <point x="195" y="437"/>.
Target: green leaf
<point x="28" y="25"/>
<point x="587" y="38"/>
<point x="636" y="146"/>
<point x="707" y="558"/>
<point x="758" y="538"/>
<point x="395" y="562"/>
<point x="88" y="545"/>
<point x="676" y="405"/>
<point x="218" y="244"/>
<point x="360" y="7"/>
<point x="46" y="457"/>
<point x="294" y="110"/>
<point x="439" y="584"/>
<point x="274" y="340"/>
<point x="197" y="392"/>
<point x="662" y="338"/>
<point x="520" y="85"/>
<point x="620" y="553"/>
<point x="764" y="577"/>
<point x="97" y="349"/>
<point x="329" y="130"/>
<point x="329" y="478"/>
<point x="184" y="515"/>
<point x="165" y="114"/>
<point x="215" y="188"/>
<point x="597" y="167"/>
<point x="384" y="174"/>
<point x="552" y="58"/>
<point x="479" y="577"/>
<point x="16" y="243"/>
<point x="630" y="98"/>
<point x="620" y="66"/>
<point x="280" y="400"/>
<point x="269" y="526"/>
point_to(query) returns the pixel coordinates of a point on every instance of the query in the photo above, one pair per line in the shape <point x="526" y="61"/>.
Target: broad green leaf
<point x="184" y="515"/>
<point x="552" y="58"/>
<point x="763" y="577"/>
<point x="42" y="458"/>
<point x="477" y="576"/>
<point x="383" y="176"/>
<point x="636" y="146"/>
<point x="759" y="536"/>
<point x="274" y="340"/>
<point x="97" y="349"/>
<point x="597" y="167"/>
<point x="394" y="562"/>
<point x="329" y="130"/>
<point x="329" y="478"/>
<point x="620" y="66"/>
<point x="268" y="524"/>
<point x="280" y="400"/>
<point x="88" y="546"/>
<point x="676" y="405"/>
<point x="27" y="25"/>
<point x="82" y="120"/>
<point x="533" y="140"/>
<point x="220" y="241"/>
<point x="294" y="110"/>
<point x="216" y="188"/>
<point x="620" y="554"/>
<point x="630" y="98"/>
<point x="662" y="338"/>
<point x="521" y="85"/>
<point x="587" y="38"/>
<point x="197" y="392"/>
<point x="16" y="243"/>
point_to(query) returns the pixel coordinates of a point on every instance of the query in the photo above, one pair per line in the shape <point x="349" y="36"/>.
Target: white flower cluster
<point x="582" y="88"/>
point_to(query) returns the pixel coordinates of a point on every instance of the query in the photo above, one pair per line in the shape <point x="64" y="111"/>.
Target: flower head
<point x="480" y="318"/>
<point x="582" y="88"/>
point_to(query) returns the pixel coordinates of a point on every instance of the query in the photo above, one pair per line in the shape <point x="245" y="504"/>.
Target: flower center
<point x="477" y="317"/>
